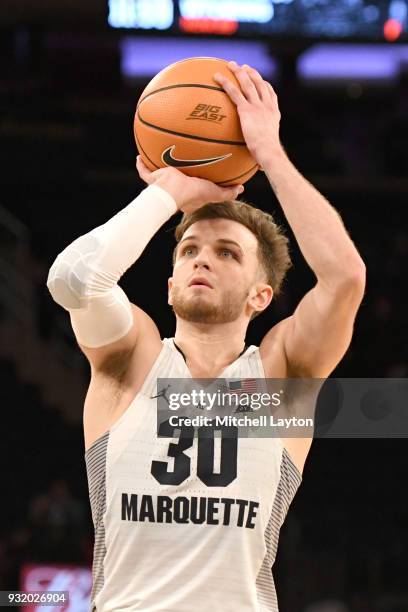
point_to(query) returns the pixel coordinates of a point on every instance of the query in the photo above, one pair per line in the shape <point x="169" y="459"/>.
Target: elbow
<point x="346" y="283"/>
<point x="358" y="273"/>
<point x="354" y="279"/>
<point x="60" y="285"/>
<point x="54" y="276"/>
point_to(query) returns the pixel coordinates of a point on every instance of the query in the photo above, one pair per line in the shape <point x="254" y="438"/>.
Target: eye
<point x="188" y="250"/>
<point x="227" y="254"/>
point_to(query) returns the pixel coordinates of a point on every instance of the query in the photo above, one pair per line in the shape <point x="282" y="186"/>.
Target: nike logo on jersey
<point x="169" y="160"/>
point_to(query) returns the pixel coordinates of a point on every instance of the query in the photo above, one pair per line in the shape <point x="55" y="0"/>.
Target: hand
<point x="189" y="192"/>
<point x="258" y="110"/>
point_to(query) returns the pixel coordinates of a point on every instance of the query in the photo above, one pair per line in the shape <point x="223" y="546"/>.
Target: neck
<point x="210" y="346"/>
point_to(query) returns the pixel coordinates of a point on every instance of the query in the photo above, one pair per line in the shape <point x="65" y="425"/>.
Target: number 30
<point x="205" y="458"/>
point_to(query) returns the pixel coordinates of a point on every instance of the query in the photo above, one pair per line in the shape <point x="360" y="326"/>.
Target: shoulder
<point x="274" y="355"/>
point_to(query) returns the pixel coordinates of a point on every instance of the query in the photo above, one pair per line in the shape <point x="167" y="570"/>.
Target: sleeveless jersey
<point x="184" y="547"/>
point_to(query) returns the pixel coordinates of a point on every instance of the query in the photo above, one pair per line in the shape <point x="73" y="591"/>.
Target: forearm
<point x="95" y="262"/>
<point x="318" y="228"/>
<point x="83" y="278"/>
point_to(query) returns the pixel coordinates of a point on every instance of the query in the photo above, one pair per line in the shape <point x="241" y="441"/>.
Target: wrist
<point x="273" y="160"/>
<point x="265" y="150"/>
<point x="165" y="198"/>
<point x="172" y="187"/>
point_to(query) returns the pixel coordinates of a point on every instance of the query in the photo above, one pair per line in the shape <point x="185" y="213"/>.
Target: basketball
<point x="184" y="119"/>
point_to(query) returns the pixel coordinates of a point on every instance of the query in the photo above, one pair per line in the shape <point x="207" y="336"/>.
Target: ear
<point x="260" y="297"/>
<point x="169" y="287"/>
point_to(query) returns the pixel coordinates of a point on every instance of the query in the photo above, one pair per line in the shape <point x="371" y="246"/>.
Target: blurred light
<point x="392" y="30"/>
<point x="336" y="63"/>
<point x="145" y="14"/>
<point x="208" y="26"/>
<point x="399" y="10"/>
<point x="371" y="13"/>
<point x="75" y="579"/>
<point x="259" y="11"/>
<point x="319" y="19"/>
<point x="145" y="56"/>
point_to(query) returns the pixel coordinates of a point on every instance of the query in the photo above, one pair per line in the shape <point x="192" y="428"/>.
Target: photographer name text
<point x="239" y="421"/>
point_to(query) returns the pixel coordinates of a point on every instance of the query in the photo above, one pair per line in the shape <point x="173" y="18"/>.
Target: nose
<point x="202" y="259"/>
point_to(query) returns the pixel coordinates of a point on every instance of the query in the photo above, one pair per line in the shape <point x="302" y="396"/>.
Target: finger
<point x="260" y="85"/>
<point x="272" y="93"/>
<point x="247" y="86"/>
<point x="228" y="193"/>
<point x="143" y="170"/>
<point x="230" y="89"/>
<point x="141" y="165"/>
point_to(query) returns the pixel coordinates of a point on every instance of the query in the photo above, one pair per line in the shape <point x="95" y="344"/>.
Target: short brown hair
<point x="273" y="251"/>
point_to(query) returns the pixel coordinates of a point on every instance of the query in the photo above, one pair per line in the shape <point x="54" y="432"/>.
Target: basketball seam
<point x="144" y="153"/>
<point x="236" y="177"/>
<point x="191" y="136"/>
<point x="213" y="87"/>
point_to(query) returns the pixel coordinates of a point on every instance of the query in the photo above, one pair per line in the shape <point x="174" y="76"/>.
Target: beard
<point x="198" y="309"/>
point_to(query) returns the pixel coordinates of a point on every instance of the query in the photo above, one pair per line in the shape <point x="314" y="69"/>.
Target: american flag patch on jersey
<point x="241" y="387"/>
<point x="247" y="385"/>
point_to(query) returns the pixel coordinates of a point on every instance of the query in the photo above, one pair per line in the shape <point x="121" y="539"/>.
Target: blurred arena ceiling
<point x="58" y="13"/>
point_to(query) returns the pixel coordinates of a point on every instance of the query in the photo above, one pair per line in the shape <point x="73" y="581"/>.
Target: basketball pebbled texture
<point x="186" y="120"/>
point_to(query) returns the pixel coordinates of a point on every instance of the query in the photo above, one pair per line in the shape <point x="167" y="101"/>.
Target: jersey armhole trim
<point x="140" y="392"/>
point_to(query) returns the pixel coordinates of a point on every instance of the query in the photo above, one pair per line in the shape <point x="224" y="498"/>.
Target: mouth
<point x="200" y="282"/>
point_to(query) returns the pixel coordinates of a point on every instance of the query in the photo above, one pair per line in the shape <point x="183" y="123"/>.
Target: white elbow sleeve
<point x="83" y="279"/>
<point x="106" y="318"/>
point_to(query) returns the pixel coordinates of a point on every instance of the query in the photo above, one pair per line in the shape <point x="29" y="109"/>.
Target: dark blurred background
<point x="69" y="84"/>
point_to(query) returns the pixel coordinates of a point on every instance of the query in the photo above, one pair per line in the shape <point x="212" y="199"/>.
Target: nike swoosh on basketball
<point x="169" y="160"/>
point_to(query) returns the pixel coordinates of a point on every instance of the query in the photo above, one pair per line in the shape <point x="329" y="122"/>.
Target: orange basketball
<point x="185" y="119"/>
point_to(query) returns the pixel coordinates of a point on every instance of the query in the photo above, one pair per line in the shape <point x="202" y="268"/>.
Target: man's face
<point x="217" y="277"/>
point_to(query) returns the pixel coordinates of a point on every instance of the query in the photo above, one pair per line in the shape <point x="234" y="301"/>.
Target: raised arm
<point x="318" y="334"/>
<point x="83" y="278"/>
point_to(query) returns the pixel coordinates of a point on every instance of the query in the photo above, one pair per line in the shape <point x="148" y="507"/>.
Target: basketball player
<point x="172" y="533"/>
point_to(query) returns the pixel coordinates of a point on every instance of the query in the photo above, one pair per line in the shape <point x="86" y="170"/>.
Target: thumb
<point x="230" y="193"/>
<point x="144" y="172"/>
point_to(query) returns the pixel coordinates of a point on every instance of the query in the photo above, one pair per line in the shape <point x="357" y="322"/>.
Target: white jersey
<point x="189" y="546"/>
